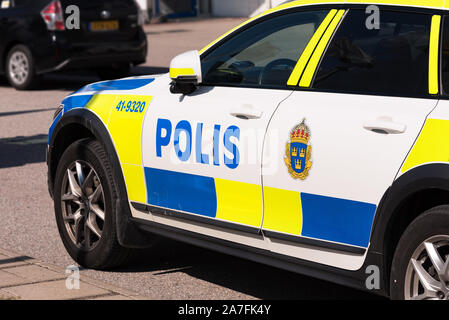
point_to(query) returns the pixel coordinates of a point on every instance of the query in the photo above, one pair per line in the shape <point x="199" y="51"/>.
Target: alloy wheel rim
<point x="18" y="67"/>
<point x="83" y="205"/>
<point x="427" y="276"/>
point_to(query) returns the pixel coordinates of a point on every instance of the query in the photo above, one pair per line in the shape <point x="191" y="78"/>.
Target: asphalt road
<point x="170" y="270"/>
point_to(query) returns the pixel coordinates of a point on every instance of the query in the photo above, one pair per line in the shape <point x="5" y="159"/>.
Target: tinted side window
<point x="20" y="3"/>
<point x="445" y="56"/>
<point x="390" y="61"/>
<point x="263" y="55"/>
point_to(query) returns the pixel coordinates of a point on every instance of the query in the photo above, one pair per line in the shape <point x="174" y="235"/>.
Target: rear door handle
<point x="246" y="112"/>
<point x="385" y="125"/>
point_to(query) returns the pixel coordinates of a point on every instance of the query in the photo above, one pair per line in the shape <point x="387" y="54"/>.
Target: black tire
<point x="432" y="223"/>
<point x="31" y="79"/>
<point x="107" y="253"/>
<point x="115" y="71"/>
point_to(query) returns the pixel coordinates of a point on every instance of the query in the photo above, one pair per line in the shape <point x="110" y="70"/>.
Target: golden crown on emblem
<point x="300" y="134"/>
<point x="302" y="152"/>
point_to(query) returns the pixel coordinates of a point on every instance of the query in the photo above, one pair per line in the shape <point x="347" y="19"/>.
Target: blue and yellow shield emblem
<point x="298" y="152"/>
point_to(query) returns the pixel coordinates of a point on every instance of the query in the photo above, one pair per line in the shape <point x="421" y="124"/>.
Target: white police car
<point x="314" y="137"/>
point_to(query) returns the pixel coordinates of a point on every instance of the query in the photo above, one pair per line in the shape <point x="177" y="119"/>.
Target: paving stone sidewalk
<point x="25" y="278"/>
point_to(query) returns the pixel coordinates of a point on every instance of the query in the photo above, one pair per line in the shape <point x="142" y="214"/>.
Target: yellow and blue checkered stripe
<point x="302" y="214"/>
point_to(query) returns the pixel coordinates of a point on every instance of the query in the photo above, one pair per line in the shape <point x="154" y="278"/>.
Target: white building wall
<point x="238" y="8"/>
<point x="242" y="8"/>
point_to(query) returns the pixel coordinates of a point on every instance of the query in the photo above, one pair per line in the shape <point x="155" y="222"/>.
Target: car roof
<point x="436" y="4"/>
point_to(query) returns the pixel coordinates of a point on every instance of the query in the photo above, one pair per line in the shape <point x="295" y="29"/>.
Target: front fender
<point x="82" y="123"/>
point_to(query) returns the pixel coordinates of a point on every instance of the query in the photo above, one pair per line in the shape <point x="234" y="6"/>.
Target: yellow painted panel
<point x="176" y="72"/>
<point x="125" y="126"/>
<point x="305" y="56"/>
<point x="306" y="79"/>
<point x="135" y="182"/>
<point x="283" y="211"/>
<point x="102" y="104"/>
<point x="416" y="3"/>
<point x="434" y="54"/>
<point x="431" y="146"/>
<point x="239" y="202"/>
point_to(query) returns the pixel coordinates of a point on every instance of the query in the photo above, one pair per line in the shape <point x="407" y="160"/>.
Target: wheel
<point x="115" y="71"/>
<point x="420" y="269"/>
<point x="84" y="200"/>
<point x="20" y="69"/>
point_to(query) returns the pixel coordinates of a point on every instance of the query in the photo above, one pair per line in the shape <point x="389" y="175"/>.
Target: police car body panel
<point x="278" y="163"/>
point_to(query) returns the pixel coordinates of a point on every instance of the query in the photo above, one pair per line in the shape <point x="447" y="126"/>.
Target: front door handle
<point x="385" y="125"/>
<point x="246" y="112"/>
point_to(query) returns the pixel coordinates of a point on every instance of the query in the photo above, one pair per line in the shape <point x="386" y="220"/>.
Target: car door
<point x="335" y="145"/>
<point x="202" y="152"/>
<point x="5" y="8"/>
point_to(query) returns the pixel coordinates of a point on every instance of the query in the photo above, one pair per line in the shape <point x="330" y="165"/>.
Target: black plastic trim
<point x="191" y="217"/>
<point x="427" y="177"/>
<point x="315" y="242"/>
<point x="247" y="229"/>
<point x="354" y="279"/>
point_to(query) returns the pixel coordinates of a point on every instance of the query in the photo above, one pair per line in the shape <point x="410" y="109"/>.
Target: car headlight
<point x="58" y="111"/>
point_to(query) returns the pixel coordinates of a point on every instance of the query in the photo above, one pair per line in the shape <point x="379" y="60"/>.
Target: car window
<point x="20" y="3"/>
<point x="391" y="60"/>
<point x="445" y="56"/>
<point x="7" y="4"/>
<point x="263" y="55"/>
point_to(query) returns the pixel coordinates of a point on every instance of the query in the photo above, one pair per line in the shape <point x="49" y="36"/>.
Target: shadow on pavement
<point x="18" y="151"/>
<point x="167" y="31"/>
<point x="237" y="274"/>
<point x="15" y="113"/>
<point x="74" y="80"/>
<point x="15" y="259"/>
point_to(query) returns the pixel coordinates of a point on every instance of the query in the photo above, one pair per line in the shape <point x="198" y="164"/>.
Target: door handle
<point x="246" y="112"/>
<point x="385" y="125"/>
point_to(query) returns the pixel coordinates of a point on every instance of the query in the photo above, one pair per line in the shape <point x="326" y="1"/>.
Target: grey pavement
<point x="169" y="270"/>
<point x="25" y="278"/>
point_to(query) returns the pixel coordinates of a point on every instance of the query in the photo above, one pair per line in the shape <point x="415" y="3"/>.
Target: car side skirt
<point x="354" y="279"/>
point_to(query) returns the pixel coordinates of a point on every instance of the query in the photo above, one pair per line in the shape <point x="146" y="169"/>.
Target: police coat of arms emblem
<point x="298" y="152"/>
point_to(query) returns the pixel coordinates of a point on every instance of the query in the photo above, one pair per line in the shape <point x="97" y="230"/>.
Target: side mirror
<point x="185" y="71"/>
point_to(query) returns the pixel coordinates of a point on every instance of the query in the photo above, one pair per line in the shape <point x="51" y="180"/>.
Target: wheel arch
<point x="415" y="192"/>
<point x="79" y="124"/>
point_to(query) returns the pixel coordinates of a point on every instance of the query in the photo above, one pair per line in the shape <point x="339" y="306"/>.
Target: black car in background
<point x="35" y="38"/>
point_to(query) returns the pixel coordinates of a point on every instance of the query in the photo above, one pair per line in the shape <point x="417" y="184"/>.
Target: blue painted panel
<point x="125" y="84"/>
<point x="53" y="125"/>
<point x="337" y="220"/>
<point x="181" y="191"/>
<point x="73" y="102"/>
